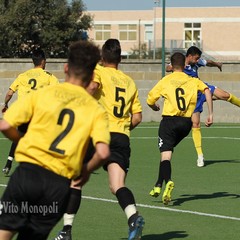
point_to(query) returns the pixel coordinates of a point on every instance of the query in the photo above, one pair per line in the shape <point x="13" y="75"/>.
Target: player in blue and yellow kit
<point x="180" y="96"/>
<point x="51" y="152"/>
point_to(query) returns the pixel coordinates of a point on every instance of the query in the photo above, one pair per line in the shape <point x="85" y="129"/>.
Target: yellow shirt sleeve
<point x="14" y="86"/>
<point x="154" y="94"/>
<point x="20" y="111"/>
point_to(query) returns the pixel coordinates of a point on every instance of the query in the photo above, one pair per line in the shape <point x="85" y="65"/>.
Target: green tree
<point x="49" y="24"/>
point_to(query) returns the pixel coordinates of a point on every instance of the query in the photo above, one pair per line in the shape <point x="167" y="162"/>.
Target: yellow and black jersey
<point x="32" y="79"/>
<point x="60" y="127"/>
<point x="179" y="92"/>
<point x="119" y="95"/>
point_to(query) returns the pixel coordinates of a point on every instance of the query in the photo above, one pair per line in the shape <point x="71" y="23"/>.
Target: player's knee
<point x="222" y="95"/>
<point x="196" y="124"/>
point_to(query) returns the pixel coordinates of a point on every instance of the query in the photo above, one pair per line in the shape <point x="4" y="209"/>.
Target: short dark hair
<point x="83" y="57"/>
<point x="111" y="51"/>
<point x="178" y="60"/>
<point x="37" y="56"/>
<point x="193" y="50"/>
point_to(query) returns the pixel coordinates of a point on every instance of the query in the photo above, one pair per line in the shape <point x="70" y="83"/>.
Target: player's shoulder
<point x="197" y="81"/>
<point x="195" y="78"/>
<point x="25" y="73"/>
<point x="124" y="75"/>
<point x="128" y="80"/>
<point x="170" y="76"/>
<point x="202" y="62"/>
<point x="99" y="67"/>
<point x="51" y="76"/>
<point x="92" y="103"/>
<point x="48" y="73"/>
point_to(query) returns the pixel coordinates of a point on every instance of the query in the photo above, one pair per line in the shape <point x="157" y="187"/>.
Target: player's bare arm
<point x="209" y="120"/>
<point x="135" y="120"/>
<point x="211" y="63"/>
<point x="169" y="68"/>
<point x="9" y="131"/>
<point x="7" y="99"/>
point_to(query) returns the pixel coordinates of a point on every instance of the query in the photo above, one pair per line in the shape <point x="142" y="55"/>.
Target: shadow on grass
<point x="186" y="198"/>
<point x="7" y="176"/>
<point x="210" y="162"/>
<point x="166" y="236"/>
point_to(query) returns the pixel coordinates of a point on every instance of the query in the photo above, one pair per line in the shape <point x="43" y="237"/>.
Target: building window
<point x="128" y="32"/>
<point x="148" y="32"/>
<point x="102" y="32"/>
<point x="192" y="34"/>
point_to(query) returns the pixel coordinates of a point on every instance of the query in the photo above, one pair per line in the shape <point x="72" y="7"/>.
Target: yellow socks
<point x="234" y="100"/>
<point x="197" y="140"/>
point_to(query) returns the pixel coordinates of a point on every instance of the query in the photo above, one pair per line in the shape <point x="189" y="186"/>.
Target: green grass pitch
<point x="205" y="201"/>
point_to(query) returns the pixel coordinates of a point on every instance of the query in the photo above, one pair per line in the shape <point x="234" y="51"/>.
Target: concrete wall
<point x="146" y="75"/>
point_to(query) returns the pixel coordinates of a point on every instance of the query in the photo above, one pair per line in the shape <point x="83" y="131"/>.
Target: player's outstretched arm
<point x="211" y="63"/>
<point x="209" y="120"/>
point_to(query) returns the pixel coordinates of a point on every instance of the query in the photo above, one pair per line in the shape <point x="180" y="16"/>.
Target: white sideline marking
<point x="161" y="208"/>
<point x="167" y="209"/>
<point x="230" y="127"/>
<point x="220" y="138"/>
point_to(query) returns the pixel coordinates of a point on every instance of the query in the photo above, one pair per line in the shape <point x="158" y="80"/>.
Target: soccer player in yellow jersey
<point x="26" y="82"/>
<point x="118" y="94"/>
<point x="51" y="152"/>
<point x="180" y="96"/>
<point x="192" y="63"/>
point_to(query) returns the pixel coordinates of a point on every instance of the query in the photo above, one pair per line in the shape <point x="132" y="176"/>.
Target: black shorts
<point x="171" y="131"/>
<point x="33" y="202"/>
<point x="120" y="151"/>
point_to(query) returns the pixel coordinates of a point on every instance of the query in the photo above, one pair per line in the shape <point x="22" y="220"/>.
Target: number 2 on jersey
<point x="33" y="83"/>
<point x="63" y="113"/>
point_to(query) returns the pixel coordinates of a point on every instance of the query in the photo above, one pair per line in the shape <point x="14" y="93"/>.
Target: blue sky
<point x="149" y="4"/>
